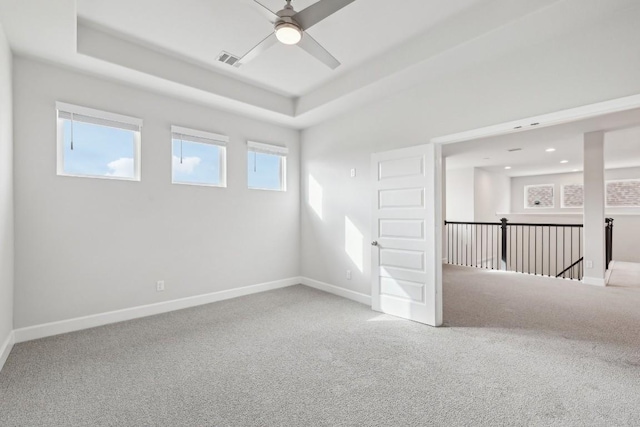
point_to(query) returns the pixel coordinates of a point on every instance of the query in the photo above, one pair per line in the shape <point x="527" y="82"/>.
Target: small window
<point x="266" y="165"/>
<point x="198" y="157"/>
<point x="97" y="144"/>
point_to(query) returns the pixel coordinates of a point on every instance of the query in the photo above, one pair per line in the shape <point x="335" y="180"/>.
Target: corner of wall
<point x="301" y="191"/>
<point x="5" y="348"/>
<point x="6" y="199"/>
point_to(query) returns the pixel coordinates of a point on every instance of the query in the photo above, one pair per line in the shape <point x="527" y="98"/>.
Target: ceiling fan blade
<point x="318" y="11"/>
<point x="265" y="44"/>
<point x="314" y="48"/>
<point x="268" y="13"/>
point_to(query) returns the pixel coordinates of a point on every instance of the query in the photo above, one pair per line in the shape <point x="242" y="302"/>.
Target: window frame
<point x="272" y="149"/>
<point x="126" y="123"/>
<point x="216" y="139"/>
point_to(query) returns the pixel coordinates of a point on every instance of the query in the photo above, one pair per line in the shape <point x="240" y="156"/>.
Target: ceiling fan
<point x="290" y="29"/>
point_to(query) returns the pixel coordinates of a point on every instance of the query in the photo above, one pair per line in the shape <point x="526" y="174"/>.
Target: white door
<point x="406" y="247"/>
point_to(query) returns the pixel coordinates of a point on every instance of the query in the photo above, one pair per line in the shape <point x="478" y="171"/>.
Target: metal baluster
<point x="516" y="247"/>
<point x="549" y="242"/>
<point x="486" y="243"/>
<point x="556" y="245"/>
<point x="467" y="246"/>
<point x="449" y="245"/>
<point x="564" y="244"/>
<point x="480" y="247"/>
<point x="535" y="250"/>
<point x="475" y="244"/>
<point x="542" y="251"/>
<point x="571" y="258"/>
<point x="456" y="243"/>
<point x="493" y="247"/>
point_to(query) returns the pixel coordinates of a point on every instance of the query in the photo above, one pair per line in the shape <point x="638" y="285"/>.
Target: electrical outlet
<point x="353" y="173"/>
<point x="349" y="274"/>
<point x="160" y="286"/>
<point x="589" y="264"/>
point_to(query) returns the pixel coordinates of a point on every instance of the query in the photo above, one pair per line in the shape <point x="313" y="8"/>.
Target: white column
<point x="594" y="198"/>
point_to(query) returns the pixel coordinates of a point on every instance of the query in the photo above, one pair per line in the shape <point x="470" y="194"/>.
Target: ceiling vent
<point x="229" y="59"/>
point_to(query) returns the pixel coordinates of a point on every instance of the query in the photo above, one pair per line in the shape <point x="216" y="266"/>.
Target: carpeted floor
<point x="517" y="350"/>
<point x="625" y="275"/>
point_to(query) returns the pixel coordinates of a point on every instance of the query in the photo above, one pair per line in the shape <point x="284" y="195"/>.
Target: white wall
<point x="459" y="194"/>
<point x="6" y="191"/>
<point x="475" y="194"/>
<point x="86" y="246"/>
<point x="492" y="195"/>
<point x="591" y="65"/>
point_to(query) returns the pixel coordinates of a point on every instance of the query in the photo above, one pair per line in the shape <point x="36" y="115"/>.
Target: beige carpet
<point x="625" y="275"/>
<point x="517" y="351"/>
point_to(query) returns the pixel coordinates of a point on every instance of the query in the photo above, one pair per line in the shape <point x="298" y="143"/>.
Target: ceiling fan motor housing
<point x="286" y="23"/>
<point x="285" y="16"/>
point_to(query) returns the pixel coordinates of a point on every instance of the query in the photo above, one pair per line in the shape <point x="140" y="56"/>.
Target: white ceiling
<point x="170" y="46"/>
<point x="622" y="147"/>
<point x="201" y="29"/>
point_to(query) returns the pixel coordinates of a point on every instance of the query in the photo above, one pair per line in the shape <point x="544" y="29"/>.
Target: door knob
<point x="374" y="243"/>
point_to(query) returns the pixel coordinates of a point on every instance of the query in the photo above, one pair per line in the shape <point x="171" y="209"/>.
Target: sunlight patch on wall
<point x="315" y="196"/>
<point x="354" y="243"/>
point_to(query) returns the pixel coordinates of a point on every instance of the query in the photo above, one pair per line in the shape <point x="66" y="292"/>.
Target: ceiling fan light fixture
<point x="288" y="33"/>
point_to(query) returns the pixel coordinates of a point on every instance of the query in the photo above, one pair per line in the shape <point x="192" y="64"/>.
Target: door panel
<point x="402" y="274"/>
<point x="401" y="167"/>
<point x="407" y="266"/>
<point x="410" y="260"/>
<point x="402" y="229"/>
<point x="402" y="289"/>
<point x="402" y="198"/>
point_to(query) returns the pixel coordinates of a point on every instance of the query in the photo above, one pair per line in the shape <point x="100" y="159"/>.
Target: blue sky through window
<point x="110" y="152"/>
<point x="264" y="171"/>
<point x="98" y="150"/>
<point x="200" y="163"/>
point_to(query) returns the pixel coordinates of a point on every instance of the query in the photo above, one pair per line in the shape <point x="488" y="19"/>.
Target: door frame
<point x="520" y="125"/>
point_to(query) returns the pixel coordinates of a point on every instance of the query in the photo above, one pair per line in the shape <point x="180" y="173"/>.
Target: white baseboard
<point x="595" y="281"/>
<point x="61" y="327"/>
<point x="5" y="349"/>
<point x="336" y="290"/>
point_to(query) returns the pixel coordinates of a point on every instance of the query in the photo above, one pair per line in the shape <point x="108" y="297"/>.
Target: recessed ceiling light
<point x="564" y="161"/>
<point x="550" y="150"/>
<point x="576" y="170"/>
<point x="507" y="167"/>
